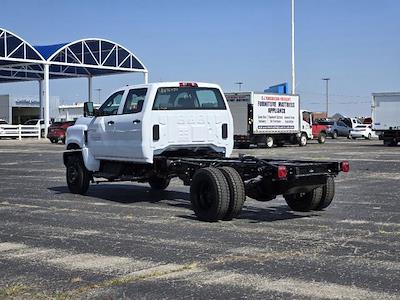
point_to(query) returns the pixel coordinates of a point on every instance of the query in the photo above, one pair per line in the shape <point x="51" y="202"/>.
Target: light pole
<point x="293" y="62"/>
<point x="327" y="95"/>
<point x="240" y="85"/>
<point x="99" y="90"/>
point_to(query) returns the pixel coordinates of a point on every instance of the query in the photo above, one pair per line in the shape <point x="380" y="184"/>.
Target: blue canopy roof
<point x="49" y="50"/>
<point x="19" y="61"/>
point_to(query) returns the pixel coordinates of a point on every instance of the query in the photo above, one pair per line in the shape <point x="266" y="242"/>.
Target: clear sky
<point x="354" y="42"/>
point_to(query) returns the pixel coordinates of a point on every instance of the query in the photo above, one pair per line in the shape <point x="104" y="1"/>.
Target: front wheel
<point x="322" y="138"/>
<point x="368" y="137"/>
<point x="159" y="183"/>
<point x="335" y="134"/>
<point x="269" y="141"/>
<point x="78" y="177"/>
<point x="303" y="140"/>
<point x="209" y="194"/>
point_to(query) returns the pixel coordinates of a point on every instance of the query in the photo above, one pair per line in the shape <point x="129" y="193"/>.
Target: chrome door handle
<point x="136" y="121"/>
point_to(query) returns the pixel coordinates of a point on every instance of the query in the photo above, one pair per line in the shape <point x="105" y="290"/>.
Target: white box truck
<point x="386" y="117"/>
<point x="265" y="119"/>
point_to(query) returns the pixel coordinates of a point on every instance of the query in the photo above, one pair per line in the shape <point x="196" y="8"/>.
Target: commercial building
<point x="70" y="112"/>
<point x="18" y="109"/>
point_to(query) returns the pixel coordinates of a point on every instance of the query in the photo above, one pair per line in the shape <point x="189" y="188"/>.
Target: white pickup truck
<point x="155" y="132"/>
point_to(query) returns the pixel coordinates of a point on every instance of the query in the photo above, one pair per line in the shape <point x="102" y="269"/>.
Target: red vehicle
<point x="311" y="128"/>
<point x="319" y="132"/>
<point x="57" y="131"/>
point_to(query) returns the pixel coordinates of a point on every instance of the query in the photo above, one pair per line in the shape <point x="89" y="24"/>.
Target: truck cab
<point x="311" y="129"/>
<point x="137" y="123"/>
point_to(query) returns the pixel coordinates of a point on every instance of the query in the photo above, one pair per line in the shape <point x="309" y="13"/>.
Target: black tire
<point x="53" y="141"/>
<point x="237" y="193"/>
<point x="159" y="183"/>
<point x="369" y="136"/>
<point x="303" y="140"/>
<point x="353" y="137"/>
<point x="78" y="177"/>
<point x="209" y="194"/>
<point x="304" y="201"/>
<point x="328" y="193"/>
<point x="334" y="134"/>
<point x="321" y="138"/>
<point x="63" y="140"/>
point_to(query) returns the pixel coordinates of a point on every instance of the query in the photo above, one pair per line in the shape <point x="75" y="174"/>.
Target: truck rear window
<point x="188" y="98"/>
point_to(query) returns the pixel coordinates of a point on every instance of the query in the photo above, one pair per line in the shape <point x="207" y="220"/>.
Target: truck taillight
<point x="282" y="172"/>
<point x="345" y="166"/>
<point x="188" y="84"/>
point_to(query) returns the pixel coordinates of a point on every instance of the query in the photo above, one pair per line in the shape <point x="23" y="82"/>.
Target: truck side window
<point x="111" y="105"/>
<point x="134" y="101"/>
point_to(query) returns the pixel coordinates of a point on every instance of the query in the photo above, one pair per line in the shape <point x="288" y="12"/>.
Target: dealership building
<point x="18" y="109"/>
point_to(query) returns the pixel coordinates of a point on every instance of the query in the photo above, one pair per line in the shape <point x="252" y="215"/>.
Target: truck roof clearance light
<point x="188" y="84"/>
<point x="345" y="166"/>
<point x="282" y="172"/>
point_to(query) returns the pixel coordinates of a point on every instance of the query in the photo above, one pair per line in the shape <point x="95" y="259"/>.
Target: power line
<point x="336" y="95"/>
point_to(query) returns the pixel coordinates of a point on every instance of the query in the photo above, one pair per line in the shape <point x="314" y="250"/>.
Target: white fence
<point x="19" y="131"/>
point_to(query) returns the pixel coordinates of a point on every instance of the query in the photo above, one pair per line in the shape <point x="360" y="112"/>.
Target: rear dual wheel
<point x="317" y="199"/>
<point x="217" y="194"/>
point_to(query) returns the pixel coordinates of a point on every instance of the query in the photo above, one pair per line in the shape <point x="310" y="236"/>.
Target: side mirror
<point x="88" y="109"/>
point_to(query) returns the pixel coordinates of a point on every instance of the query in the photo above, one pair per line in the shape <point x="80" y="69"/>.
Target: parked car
<point x="362" y="131"/>
<point x="57" y="131"/>
<point x="335" y="129"/>
<point x="351" y="122"/>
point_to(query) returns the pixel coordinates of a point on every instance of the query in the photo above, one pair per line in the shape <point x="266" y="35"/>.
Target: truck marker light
<point x="345" y="166"/>
<point x="188" y="84"/>
<point x="282" y="172"/>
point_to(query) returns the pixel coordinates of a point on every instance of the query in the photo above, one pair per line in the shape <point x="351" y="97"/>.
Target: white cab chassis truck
<point x="155" y="132"/>
<point x="266" y="119"/>
<point x="386" y="117"/>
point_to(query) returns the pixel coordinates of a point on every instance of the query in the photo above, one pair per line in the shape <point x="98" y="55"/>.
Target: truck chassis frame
<point x="220" y="184"/>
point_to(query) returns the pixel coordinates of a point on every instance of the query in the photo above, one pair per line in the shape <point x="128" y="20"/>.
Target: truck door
<point x="306" y="123"/>
<point x="101" y="130"/>
<point x="128" y="126"/>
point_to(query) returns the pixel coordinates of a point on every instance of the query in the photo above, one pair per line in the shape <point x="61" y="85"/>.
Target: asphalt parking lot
<point x="126" y="241"/>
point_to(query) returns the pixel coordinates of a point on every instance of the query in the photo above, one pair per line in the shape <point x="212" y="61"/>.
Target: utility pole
<point x="293" y="61"/>
<point x="327" y="95"/>
<point x="240" y="85"/>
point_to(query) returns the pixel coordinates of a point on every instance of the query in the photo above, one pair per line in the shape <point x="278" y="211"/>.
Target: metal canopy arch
<point x="87" y="58"/>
